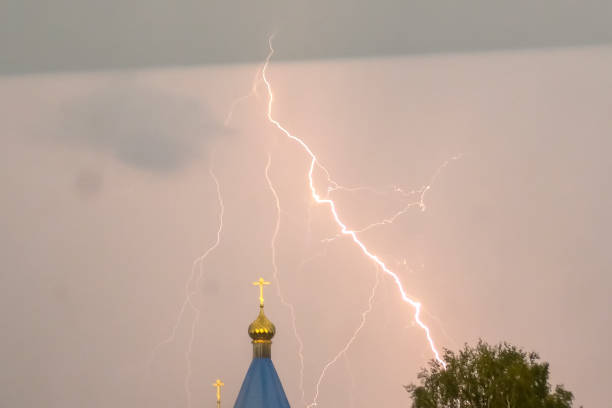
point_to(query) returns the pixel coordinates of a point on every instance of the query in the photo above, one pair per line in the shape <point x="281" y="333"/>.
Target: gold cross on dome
<point x="261" y="282"/>
<point x="218" y="384"/>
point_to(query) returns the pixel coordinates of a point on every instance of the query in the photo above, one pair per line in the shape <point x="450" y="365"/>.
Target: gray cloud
<point x="88" y="34"/>
<point x="139" y="125"/>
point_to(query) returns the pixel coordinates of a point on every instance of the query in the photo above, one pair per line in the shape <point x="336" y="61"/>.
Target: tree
<point x="485" y="376"/>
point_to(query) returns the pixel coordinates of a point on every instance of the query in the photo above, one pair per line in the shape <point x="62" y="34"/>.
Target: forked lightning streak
<point x="314" y="163"/>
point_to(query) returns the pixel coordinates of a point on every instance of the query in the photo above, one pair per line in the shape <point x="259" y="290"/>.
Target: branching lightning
<point x="411" y="199"/>
<point x="348" y="344"/>
<point x="291" y="307"/>
<point x="409" y="195"/>
<point x="277" y="281"/>
<point x="239" y="100"/>
<point x="197" y="274"/>
<point x="198" y="282"/>
<point x="314" y="163"/>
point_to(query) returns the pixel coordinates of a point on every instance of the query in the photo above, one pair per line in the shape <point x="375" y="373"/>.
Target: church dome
<point x="262" y="329"/>
<point x="261" y="387"/>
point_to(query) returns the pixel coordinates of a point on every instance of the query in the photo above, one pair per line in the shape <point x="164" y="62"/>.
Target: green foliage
<point x="485" y="376"/>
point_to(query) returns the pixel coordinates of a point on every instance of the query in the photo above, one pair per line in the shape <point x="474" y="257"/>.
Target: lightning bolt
<point x="197" y="311"/>
<point x="197" y="275"/>
<point x="198" y="272"/>
<point x="314" y="163"/>
<point x="348" y="344"/>
<point x="277" y="281"/>
<point x="420" y="202"/>
<point x="239" y="100"/>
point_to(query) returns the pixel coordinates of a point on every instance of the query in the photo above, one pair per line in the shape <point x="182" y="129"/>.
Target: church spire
<point x="218" y="384"/>
<point x="261" y="283"/>
<point x="262" y="330"/>
<point x="261" y="387"/>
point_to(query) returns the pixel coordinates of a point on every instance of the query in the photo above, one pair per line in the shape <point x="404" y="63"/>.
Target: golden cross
<point x="261" y="282"/>
<point x="218" y="384"/>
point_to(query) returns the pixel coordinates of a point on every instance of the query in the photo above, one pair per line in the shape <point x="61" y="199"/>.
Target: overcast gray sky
<point x="92" y="35"/>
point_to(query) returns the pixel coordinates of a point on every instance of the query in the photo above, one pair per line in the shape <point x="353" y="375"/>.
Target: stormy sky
<point x="107" y="199"/>
<point x="68" y="35"/>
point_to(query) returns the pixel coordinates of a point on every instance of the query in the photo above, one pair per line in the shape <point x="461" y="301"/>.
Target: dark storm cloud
<point x="140" y="125"/>
<point x="91" y="34"/>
